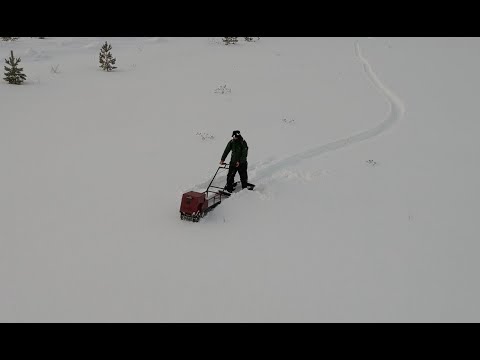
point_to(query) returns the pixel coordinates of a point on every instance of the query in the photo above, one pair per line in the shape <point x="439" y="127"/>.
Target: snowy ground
<point x="93" y="166"/>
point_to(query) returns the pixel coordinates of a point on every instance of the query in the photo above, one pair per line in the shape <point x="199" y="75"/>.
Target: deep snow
<point x="94" y="165"/>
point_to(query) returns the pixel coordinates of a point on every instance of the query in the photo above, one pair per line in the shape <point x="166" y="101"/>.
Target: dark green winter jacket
<point x="239" y="149"/>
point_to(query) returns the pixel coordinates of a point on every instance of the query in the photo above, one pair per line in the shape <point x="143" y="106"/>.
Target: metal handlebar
<point x="224" y="166"/>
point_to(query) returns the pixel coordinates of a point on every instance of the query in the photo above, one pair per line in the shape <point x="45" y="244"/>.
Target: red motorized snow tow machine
<point x="195" y="205"/>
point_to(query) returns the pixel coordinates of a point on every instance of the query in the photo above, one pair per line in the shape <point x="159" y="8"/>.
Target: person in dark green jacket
<point x="238" y="161"/>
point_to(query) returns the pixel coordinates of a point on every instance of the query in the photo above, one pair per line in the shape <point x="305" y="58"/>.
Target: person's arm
<point x="228" y="148"/>
<point x="245" y="150"/>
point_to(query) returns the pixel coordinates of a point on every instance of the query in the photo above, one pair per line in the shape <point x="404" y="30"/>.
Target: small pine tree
<point x="106" y="59"/>
<point x="230" y="40"/>
<point x="14" y="74"/>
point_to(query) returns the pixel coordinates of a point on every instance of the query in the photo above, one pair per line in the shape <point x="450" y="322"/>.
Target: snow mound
<point x="156" y="40"/>
<point x="35" y="55"/>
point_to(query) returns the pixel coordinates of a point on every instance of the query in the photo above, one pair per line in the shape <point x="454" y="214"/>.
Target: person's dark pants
<point x="242" y="171"/>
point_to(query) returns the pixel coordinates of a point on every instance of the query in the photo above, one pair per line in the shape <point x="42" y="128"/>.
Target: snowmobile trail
<point x="267" y="168"/>
<point x="397" y="110"/>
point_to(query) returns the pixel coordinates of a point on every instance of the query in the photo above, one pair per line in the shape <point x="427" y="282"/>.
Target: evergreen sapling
<point x="14" y="74"/>
<point x="106" y="59"/>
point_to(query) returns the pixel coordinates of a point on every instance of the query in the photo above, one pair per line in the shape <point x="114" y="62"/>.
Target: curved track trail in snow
<point x="397" y="109"/>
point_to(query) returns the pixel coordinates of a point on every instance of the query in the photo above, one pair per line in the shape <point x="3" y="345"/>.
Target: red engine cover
<point x="193" y="202"/>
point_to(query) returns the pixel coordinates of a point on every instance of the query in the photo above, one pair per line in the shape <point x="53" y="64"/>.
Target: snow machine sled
<point x="195" y="205"/>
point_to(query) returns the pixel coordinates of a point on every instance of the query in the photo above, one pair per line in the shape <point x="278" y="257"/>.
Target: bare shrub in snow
<point x="223" y="90"/>
<point x="106" y="59"/>
<point x="205" y="136"/>
<point x="54" y="69"/>
<point x="13" y="73"/>
<point x="9" y="38"/>
<point x="371" y="162"/>
<point x="230" y="40"/>
<point x="286" y="121"/>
